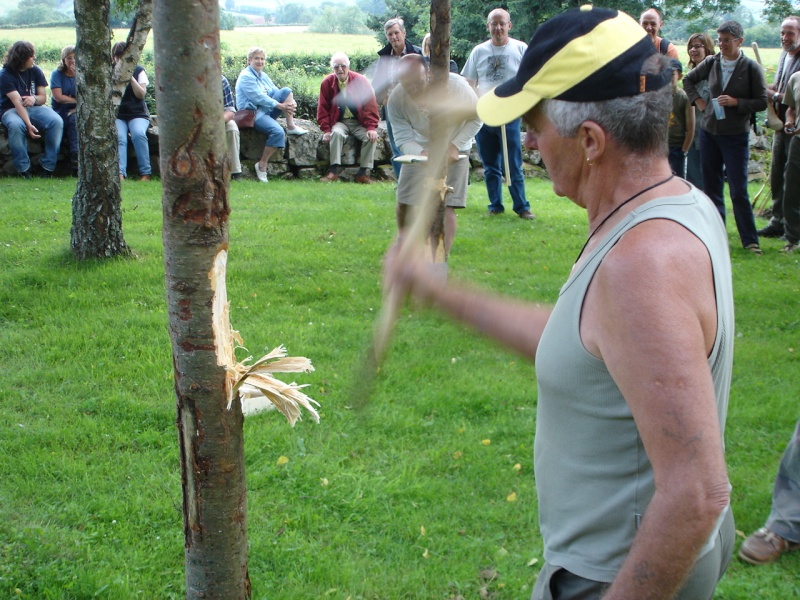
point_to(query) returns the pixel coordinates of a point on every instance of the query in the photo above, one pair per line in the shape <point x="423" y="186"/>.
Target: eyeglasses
<point x="335" y="67"/>
<point x="696" y="46"/>
<point x="728" y="41"/>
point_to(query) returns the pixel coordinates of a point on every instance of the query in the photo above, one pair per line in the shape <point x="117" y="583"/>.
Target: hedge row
<point x="301" y="72"/>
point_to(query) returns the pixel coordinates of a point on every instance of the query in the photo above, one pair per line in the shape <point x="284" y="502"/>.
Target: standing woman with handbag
<point x="256" y="91"/>
<point x="134" y="117"/>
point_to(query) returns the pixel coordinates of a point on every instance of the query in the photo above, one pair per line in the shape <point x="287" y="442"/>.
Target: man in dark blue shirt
<point x="23" y="110"/>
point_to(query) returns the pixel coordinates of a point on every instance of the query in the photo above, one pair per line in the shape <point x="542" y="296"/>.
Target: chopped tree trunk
<point x="96" y="206"/>
<point x="196" y="210"/>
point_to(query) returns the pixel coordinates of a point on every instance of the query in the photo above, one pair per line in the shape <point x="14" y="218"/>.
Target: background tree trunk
<point x="195" y="182"/>
<point x="96" y="211"/>
<point x="440" y="73"/>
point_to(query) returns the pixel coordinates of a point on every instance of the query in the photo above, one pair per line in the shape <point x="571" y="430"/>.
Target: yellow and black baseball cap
<point x="582" y="55"/>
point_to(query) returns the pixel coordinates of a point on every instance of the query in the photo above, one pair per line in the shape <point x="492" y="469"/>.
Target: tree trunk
<point x="195" y="181"/>
<point x="440" y="73"/>
<point x="96" y="206"/>
<point x="137" y="37"/>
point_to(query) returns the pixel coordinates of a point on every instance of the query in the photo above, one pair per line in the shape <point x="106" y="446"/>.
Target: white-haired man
<point x="347" y="105"/>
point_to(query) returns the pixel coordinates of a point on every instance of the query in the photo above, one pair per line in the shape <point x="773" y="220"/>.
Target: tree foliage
<point x="36" y="12"/>
<point x="468" y="26"/>
<point x="293" y="13"/>
<point x="227" y="21"/>
<point x="776" y="11"/>
<point x="339" y="18"/>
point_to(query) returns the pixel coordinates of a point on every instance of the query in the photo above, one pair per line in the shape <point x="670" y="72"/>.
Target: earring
<point x="589" y="161"/>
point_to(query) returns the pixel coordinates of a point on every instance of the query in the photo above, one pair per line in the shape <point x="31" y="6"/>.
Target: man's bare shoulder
<point x="656" y="252"/>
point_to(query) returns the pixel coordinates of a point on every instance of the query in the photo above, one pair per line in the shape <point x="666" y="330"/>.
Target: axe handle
<point x="757" y="53"/>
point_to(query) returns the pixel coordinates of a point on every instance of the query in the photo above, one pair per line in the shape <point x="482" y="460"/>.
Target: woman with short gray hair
<point x="738" y="90"/>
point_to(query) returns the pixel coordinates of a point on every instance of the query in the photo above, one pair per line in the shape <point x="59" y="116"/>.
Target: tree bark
<point x="440" y="73"/>
<point x="96" y="206"/>
<point x="195" y="180"/>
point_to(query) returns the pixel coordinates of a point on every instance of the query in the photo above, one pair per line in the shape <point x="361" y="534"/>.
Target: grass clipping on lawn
<point x="254" y="383"/>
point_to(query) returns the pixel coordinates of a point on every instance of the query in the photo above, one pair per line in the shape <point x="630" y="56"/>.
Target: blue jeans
<point x="694" y="170"/>
<point x="677" y="161"/>
<point x="71" y="132"/>
<point x="733" y="153"/>
<point x="138" y="129"/>
<point x="395" y="150"/>
<point x="490" y="148"/>
<point x="266" y="123"/>
<point x="50" y="127"/>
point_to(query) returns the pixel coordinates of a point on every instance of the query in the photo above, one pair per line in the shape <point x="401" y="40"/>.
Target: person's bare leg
<point x="450" y="225"/>
<point x="268" y="151"/>
<point x="289" y="114"/>
<point x="401" y="211"/>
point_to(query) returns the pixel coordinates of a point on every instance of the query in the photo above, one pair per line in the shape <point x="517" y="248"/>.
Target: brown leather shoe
<point x="144" y="178"/>
<point x="363" y="179"/>
<point x="329" y="177"/>
<point x="527" y="215"/>
<point x="764" y="547"/>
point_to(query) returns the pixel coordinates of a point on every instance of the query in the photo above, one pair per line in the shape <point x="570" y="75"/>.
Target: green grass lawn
<point x="427" y="493"/>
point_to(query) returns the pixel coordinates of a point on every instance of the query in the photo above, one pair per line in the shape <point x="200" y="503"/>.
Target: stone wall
<point x="305" y="157"/>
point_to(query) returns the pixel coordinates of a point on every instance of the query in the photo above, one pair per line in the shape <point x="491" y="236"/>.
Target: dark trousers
<point x="731" y="153"/>
<point x="780" y="154"/>
<point x="556" y="583"/>
<point x="677" y="161"/>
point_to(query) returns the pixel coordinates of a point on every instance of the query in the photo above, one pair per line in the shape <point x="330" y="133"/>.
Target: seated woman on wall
<point x="255" y="91"/>
<point x="65" y="103"/>
<point x="134" y="117"/>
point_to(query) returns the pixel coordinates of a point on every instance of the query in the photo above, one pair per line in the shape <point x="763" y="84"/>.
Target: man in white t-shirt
<point x="490" y="64"/>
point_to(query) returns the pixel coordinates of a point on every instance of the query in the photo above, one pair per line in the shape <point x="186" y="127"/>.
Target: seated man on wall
<point x="346" y="106"/>
<point x="231" y="130"/>
<point x="23" y="110"/>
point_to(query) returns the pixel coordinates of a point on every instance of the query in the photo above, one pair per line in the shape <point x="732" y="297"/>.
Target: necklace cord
<point x="616" y="210"/>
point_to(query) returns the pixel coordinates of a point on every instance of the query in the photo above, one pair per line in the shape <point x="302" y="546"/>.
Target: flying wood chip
<point x="254" y="383"/>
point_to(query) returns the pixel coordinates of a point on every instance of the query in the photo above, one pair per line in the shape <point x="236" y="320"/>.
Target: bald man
<point x="652" y="22"/>
<point x="490" y="64"/>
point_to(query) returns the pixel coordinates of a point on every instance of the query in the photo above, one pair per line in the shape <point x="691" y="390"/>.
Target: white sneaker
<point x="297" y="131"/>
<point x="262" y="175"/>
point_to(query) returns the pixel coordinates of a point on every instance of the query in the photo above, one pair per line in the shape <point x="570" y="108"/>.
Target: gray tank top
<point x="593" y="477"/>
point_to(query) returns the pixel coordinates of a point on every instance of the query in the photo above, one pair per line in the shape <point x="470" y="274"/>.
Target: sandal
<point x="754" y="248"/>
